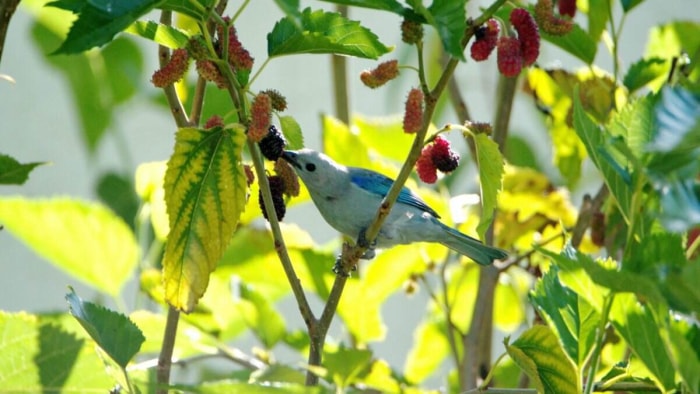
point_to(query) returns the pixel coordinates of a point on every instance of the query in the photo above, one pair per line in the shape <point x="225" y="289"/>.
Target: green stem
<point x="598" y="347"/>
<point x="166" y="351"/>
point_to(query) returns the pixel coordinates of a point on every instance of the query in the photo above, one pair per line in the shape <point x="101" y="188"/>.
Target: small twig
<point x="589" y="206"/>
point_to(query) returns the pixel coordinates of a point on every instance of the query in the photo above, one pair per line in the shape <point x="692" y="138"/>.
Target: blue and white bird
<point x="348" y="199"/>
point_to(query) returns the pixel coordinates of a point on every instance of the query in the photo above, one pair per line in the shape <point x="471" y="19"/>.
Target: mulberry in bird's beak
<point x="291" y="157"/>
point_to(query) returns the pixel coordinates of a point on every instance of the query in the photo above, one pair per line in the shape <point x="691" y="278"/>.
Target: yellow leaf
<point x="205" y="194"/>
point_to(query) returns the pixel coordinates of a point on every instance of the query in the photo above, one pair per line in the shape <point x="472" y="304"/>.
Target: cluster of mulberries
<point x="413" y="112"/>
<point x="516" y="53"/>
<point x="437" y="156"/>
<point x="214" y="121"/>
<point x="382" y="74"/>
<point x="485" y="39"/>
<point x="513" y="52"/>
<point x="238" y="57"/>
<point x="555" y="24"/>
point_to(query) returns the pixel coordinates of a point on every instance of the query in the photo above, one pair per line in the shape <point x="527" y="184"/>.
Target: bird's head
<point x="317" y="171"/>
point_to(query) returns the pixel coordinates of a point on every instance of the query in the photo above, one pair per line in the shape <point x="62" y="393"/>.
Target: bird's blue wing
<point x="379" y="184"/>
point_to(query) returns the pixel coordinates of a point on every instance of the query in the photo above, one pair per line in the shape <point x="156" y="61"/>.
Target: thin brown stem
<point x="589" y="206"/>
<point x="166" y="351"/>
<point x="174" y="102"/>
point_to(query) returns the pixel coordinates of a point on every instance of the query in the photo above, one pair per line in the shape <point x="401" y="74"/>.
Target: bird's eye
<point x="311" y="167"/>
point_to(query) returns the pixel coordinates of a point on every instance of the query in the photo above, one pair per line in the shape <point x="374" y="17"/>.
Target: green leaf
<point x="491" y="168"/>
<point x="627" y="5"/>
<point x="292" y="132"/>
<point x="168" y="36"/>
<point x="376" y="132"/>
<point x="385" y="5"/>
<point x="99" y="21"/>
<point x="645" y="71"/>
<point x="205" y="193"/>
<point x="289" y="7"/>
<point x="573" y="275"/>
<point x="569" y="315"/>
<point x="598" y="16"/>
<point x="266" y="323"/>
<point x="345" y="366"/>
<point x="87" y="84"/>
<point x="684" y="354"/>
<point x="117" y="192"/>
<point x="594" y="138"/>
<point x="637" y="325"/>
<point x="519" y="153"/>
<point x="340" y="142"/>
<point x="42" y="354"/>
<point x="85" y="240"/>
<point x="232" y="386"/>
<point x="323" y="32"/>
<point x="577" y="42"/>
<point x="448" y="17"/>
<point x="14" y="173"/>
<point x="538" y="353"/>
<point x="113" y="332"/>
<point x="198" y="10"/>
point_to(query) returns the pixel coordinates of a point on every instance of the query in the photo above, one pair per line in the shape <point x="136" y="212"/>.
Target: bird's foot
<point x="338" y="267"/>
<point x="362" y="242"/>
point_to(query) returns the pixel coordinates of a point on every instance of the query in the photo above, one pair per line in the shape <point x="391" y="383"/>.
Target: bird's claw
<point x="338" y="268"/>
<point x="363" y="243"/>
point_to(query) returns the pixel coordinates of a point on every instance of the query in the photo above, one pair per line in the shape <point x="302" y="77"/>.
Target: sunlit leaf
<point x="323" y="32"/>
<point x="491" y="169"/>
<point x="232" y="386"/>
<point x="40" y="354"/>
<point x="205" y="192"/>
<point x="189" y="340"/>
<point x="684" y="354"/>
<point x="598" y="16"/>
<point x="341" y="143"/>
<point x="430" y="347"/>
<point x="99" y="22"/>
<point x="645" y="71"/>
<point x="149" y="187"/>
<point x="377" y="132"/>
<point x="345" y="366"/>
<point x="260" y="315"/>
<point x="574" y="276"/>
<point x="639" y="328"/>
<point x="570" y="316"/>
<point x="292" y="132"/>
<point x="593" y="137"/>
<point x="13" y="172"/>
<point x="539" y="354"/>
<point x="113" y="332"/>
<point x="168" y="36"/>
<point x="85" y="240"/>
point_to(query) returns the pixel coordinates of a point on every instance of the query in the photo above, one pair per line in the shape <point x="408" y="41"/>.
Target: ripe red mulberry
<point x="427" y="172"/>
<point x="528" y="34"/>
<point x="510" y="56"/>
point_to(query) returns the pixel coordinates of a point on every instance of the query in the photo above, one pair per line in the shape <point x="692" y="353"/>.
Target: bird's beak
<point x="291" y="157"/>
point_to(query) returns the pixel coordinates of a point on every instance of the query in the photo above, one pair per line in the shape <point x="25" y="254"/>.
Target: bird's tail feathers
<point x="471" y="247"/>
